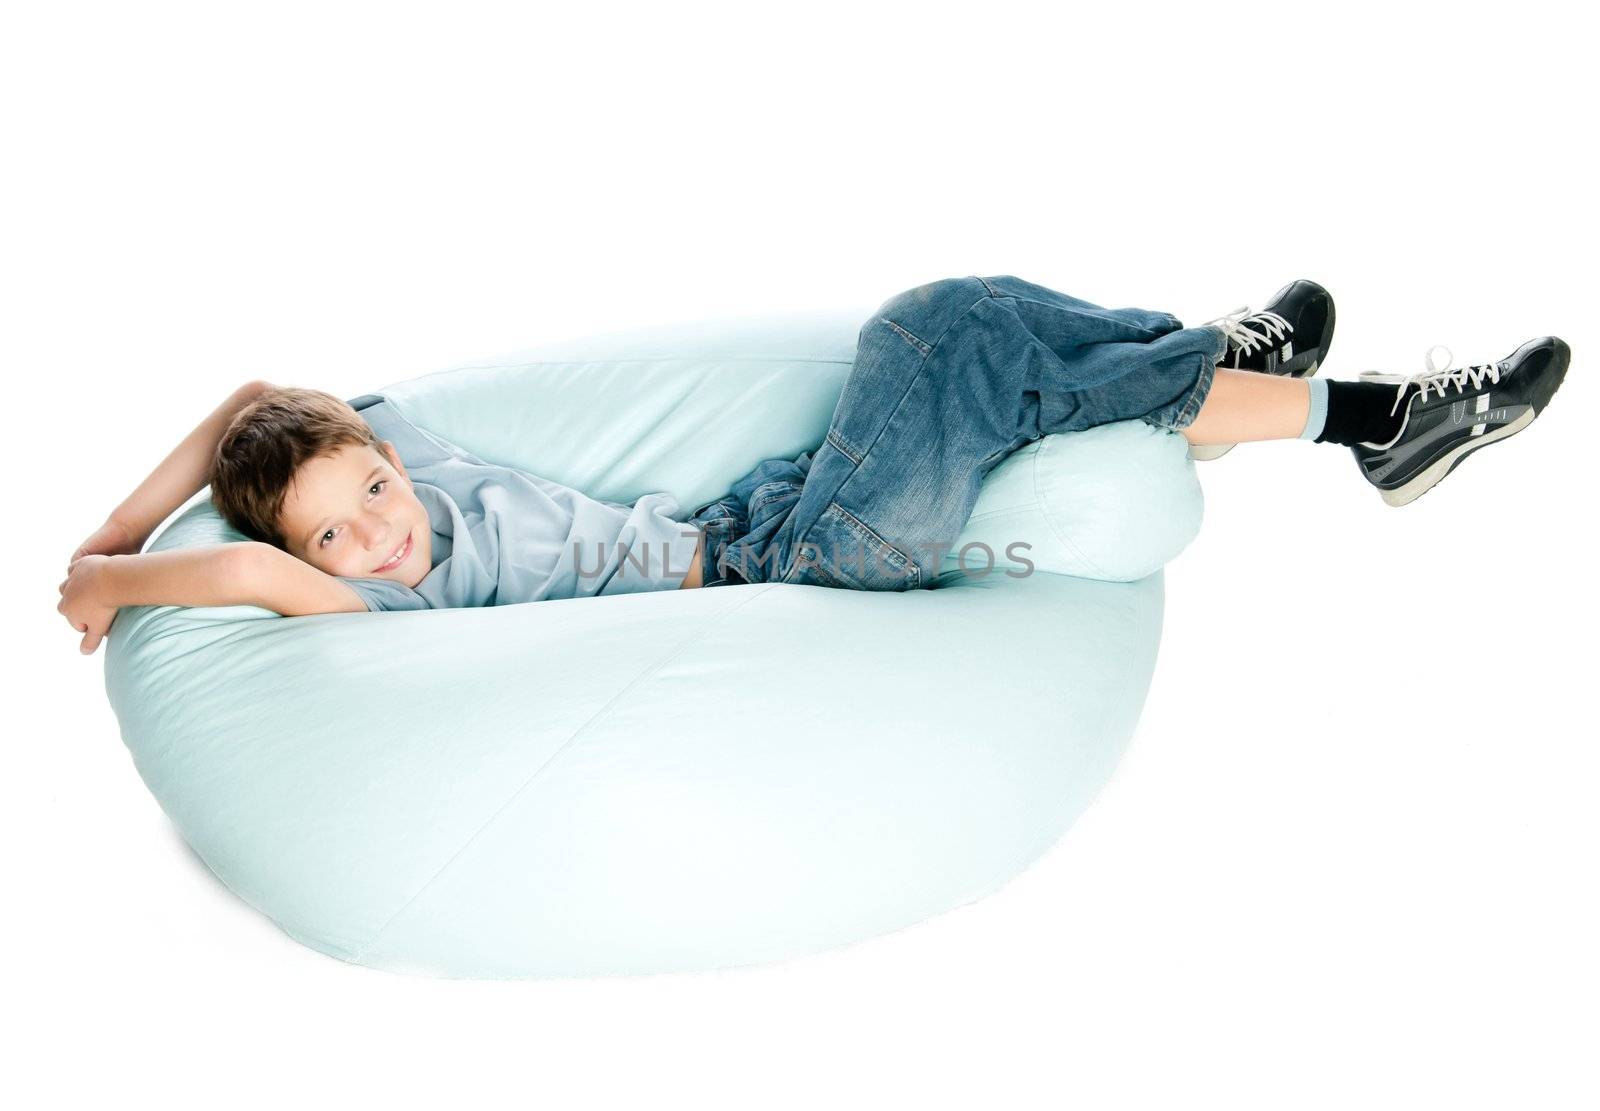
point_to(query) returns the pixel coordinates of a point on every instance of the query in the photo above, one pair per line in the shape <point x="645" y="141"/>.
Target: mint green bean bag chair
<point x="674" y="780"/>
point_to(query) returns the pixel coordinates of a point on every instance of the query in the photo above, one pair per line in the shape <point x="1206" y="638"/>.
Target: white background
<point x="1349" y="858"/>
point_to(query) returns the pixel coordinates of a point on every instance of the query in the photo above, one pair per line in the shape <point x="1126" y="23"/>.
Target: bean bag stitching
<point x="1050" y="520"/>
<point x="1032" y="855"/>
<point x="633" y="359"/>
<point x="598" y="715"/>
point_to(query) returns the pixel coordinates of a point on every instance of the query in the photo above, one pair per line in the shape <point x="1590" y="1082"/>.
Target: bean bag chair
<point x="668" y="780"/>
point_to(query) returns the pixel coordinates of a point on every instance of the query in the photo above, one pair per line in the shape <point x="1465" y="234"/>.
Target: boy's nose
<point x="375" y="534"/>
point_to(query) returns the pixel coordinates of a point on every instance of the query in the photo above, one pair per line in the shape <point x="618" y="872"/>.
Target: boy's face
<point x="351" y="513"/>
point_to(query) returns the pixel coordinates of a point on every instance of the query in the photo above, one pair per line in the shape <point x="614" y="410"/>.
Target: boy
<point x="350" y="507"/>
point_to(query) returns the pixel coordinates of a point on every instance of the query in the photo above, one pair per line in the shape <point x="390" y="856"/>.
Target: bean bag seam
<point x="598" y="715"/>
<point x="1032" y="856"/>
<point x="633" y="359"/>
<point x="1049" y="519"/>
<point x="995" y="514"/>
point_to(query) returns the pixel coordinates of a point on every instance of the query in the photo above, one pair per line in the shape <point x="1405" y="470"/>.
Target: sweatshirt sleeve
<point x="385" y="594"/>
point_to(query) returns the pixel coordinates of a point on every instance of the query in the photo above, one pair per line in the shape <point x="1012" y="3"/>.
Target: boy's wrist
<point x="119" y="578"/>
<point x="135" y="532"/>
<point x="103" y="582"/>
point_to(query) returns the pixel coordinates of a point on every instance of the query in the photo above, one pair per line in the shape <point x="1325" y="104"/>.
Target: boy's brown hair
<point x="266" y="443"/>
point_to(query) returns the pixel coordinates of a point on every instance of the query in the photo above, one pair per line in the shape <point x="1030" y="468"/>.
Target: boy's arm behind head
<point x="234" y="574"/>
<point x="184" y="472"/>
<point x="276" y="580"/>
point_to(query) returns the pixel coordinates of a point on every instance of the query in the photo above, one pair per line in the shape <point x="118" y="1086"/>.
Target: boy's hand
<point x="111" y="538"/>
<point x="83" y="602"/>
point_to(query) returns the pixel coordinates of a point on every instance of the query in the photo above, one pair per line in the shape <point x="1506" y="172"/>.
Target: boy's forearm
<point x="183" y="473"/>
<point x="208" y="575"/>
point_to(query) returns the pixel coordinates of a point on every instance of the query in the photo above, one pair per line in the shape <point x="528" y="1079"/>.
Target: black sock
<point x="1360" y="412"/>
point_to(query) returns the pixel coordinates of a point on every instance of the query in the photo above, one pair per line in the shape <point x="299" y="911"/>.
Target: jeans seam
<point x="952" y="323"/>
<point x="922" y="366"/>
<point x="1100" y="315"/>
<point x="921" y="346"/>
<point x="843" y="448"/>
<point x="769" y="492"/>
<point x="899" y="557"/>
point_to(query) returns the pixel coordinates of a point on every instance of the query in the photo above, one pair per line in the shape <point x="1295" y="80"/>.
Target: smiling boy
<point x="338" y="523"/>
<point x="343" y="535"/>
<point x="350" y="507"/>
<point x="371" y="505"/>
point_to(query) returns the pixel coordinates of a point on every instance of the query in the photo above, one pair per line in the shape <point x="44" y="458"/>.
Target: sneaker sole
<point x="1204" y="453"/>
<point x="1428" y="479"/>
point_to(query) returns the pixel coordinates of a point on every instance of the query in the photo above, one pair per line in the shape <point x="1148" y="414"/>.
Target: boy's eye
<point x="322" y="541"/>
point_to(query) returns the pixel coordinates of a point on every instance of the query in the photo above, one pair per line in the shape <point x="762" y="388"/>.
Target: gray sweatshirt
<point x="502" y="536"/>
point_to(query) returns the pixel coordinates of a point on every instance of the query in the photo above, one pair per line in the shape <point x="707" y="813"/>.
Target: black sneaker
<point x="1291" y="336"/>
<point x="1446" y="415"/>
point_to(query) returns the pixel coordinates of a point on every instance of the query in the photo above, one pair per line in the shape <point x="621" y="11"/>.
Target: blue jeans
<point x="949" y="378"/>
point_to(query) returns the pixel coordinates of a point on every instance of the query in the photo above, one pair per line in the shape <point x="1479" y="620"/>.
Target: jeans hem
<point x="1202" y="388"/>
<point x="1197" y="396"/>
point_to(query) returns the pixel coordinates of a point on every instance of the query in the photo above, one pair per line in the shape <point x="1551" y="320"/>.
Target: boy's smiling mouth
<point x="398" y="558"/>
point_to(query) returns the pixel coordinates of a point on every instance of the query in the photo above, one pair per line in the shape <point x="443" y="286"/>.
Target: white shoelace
<point x="1439" y="378"/>
<point x="1236" y="325"/>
